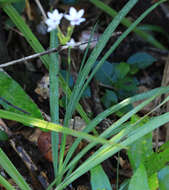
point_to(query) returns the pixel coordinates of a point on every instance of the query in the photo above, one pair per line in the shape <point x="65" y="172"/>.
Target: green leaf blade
<point x="139" y="180"/>
<point x="11" y="91"/>
<point x="99" y="180"/>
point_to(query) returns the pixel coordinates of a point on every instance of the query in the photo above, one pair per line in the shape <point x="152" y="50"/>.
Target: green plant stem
<point x="63" y="143"/>
<point x="54" y="96"/>
<point x="126" y="22"/>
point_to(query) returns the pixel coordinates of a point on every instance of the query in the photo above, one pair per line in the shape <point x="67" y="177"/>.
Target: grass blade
<point x="93" y="57"/>
<point x="126" y="22"/>
<point x="35" y="44"/>
<point x="50" y="126"/>
<point x="111" y="50"/>
<point x="118" y="41"/>
<point x="107" y="151"/>
<point x="54" y="96"/>
<point x="112" y="129"/>
<point x="12" y="171"/>
<point x="29" y="36"/>
<point x="6" y="184"/>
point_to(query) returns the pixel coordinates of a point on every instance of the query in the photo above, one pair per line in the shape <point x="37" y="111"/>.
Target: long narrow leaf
<point x="154" y="93"/>
<point x="54" y="96"/>
<point x="150" y="94"/>
<point x="93" y="57"/>
<point x="118" y="41"/>
<point x="12" y="171"/>
<point x="6" y="184"/>
<point x="50" y="126"/>
<point x="126" y="22"/>
<point x="75" y="97"/>
<point x="35" y="44"/>
<point x="29" y="36"/>
<point x="108" y="151"/>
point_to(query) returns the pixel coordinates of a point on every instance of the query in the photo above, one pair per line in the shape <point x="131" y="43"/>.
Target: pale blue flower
<point x="74" y="16"/>
<point x="53" y="20"/>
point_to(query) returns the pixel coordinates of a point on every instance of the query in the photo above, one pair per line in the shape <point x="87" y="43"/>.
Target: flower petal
<point x="55" y="12"/>
<point x="71" y="43"/>
<point x="82" y="20"/>
<point x="60" y="16"/>
<point x="80" y="13"/>
<point x="68" y="17"/>
<point x="72" y="11"/>
<point x="49" y="15"/>
<point x="49" y="22"/>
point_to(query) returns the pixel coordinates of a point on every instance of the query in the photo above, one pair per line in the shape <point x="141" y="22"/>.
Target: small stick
<point x="41" y="9"/>
<point x="40" y="54"/>
<point x="165" y="10"/>
<point x="27" y="58"/>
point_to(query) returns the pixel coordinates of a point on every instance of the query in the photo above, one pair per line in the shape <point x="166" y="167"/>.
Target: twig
<point x="39" y="179"/>
<point x="165" y="10"/>
<point x="28" y="58"/>
<point x="41" y="9"/>
<point x="60" y="48"/>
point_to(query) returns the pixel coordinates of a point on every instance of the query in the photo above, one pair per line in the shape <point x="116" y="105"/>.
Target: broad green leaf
<point x="3" y="136"/>
<point x="20" y="6"/>
<point x="157" y="160"/>
<point x="126" y="87"/>
<point x="163" y="177"/>
<point x="106" y="74"/>
<point x="139" y="180"/>
<point x="109" y="98"/>
<point x="99" y="180"/>
<point x="153" y="182"/>
<point x="141" y="149"/>
<point x="11" y="91"/>
<point x="10" y="1"/>
<point x="141" y="60"/>
<point x="122" y="69"/>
